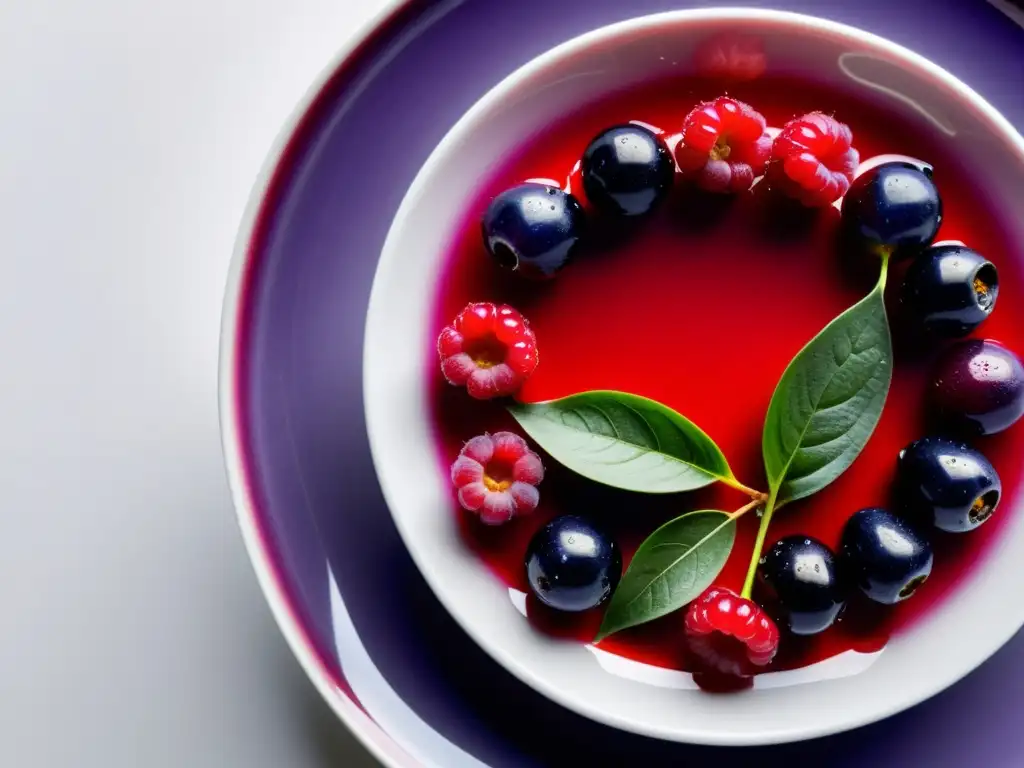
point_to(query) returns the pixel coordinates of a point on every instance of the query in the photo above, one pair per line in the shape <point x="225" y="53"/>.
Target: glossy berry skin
<point x="884" y="556"/>
<point x="978" y="387"/>
<point x="725" y="145"/>
<point x="950" y="290"/>
<point x="913" y="162"/>
<point x="627" y="170"/>
<point x="802" y="574"/>
<point x="572" y="565"/>
<point x="948" y="483"/>
<point x="729" y="634"/>
<point x="489" y="349"/>
<point x="533" y="229"/>
<point x="894" y="207"/>
<point x="497" y="477"/>
<point x="813" y="159"/>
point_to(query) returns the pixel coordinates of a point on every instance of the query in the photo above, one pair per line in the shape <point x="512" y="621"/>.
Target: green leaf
<point x="829" y="401"/>
<point x="625" y="441"/>
<point x="673" y="566"/>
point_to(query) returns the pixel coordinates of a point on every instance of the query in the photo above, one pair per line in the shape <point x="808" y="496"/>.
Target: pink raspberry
<point x="497" y="477"/>
<point x="730" y="635"/>
<point x="725" y="145"/>
<point x="489" y="349"/>
<point x="813" y="159"/>
<point x="731" y="56"/>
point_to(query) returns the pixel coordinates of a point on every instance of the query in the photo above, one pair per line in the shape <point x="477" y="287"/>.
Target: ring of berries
<point x="893" y="210"/>
<point x="489" y="349"/>
<point x="497" y="477"/>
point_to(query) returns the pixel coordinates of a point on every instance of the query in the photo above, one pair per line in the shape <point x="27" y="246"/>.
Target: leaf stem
<point x="746" y="508"/>
<point x="886" y="255"/>
<point x="732" y="482"/>
<point x="762" y="532"/>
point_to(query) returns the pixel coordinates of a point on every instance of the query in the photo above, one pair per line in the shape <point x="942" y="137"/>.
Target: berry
<point x="894" y="208"/>
<point x="725" y="145"/>
<point x="627" y="170"/>
<point x="497" y="477"/>
<point x="572" y="565"/>
<point x="731" y="56"/>
<point x="948" y="483"/>
<point x="489" y="349"/>
<point x="729" y="634"/>
<point x="533" y="229"/>
<point x="803" y="576"/>
<point x="978" y="387"/>
<point x="885" y="556"/>
<point x="813" y="159"/>
<point x="911" y="162"/>
<point x="951" y="290"/>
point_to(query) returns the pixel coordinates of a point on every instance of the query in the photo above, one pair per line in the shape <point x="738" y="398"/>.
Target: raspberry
<point x="730" y="635"/>
<point x="497" y="477"/>
<point x="489" y="349"/>
<point x="725" y="145"/>
<point x="813" y="159"/>
<point x="732" y="56"/>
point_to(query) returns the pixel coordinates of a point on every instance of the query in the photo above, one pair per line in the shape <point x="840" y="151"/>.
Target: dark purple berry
<point x="533" y="229"/>
<point x="803" y="576"/>
<point x="978" y="387"/>
<point x="894" y="207"/>
<point x="572" y="565"/>
<point x="950" y="290"/>
<point x="884" y="556"/>
<point x="627" y="170"/>
<point x="948" y="483"/>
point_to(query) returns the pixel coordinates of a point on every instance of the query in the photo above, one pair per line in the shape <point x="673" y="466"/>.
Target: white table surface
<point x="133" y="634"/>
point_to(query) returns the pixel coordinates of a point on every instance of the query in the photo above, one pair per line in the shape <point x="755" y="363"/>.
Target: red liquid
<point x="702" y="308"/>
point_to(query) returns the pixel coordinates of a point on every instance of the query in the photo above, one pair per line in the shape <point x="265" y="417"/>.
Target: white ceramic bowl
<point x="847" y="691"/>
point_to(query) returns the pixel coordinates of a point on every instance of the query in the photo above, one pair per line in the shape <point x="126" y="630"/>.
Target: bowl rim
<point x="258" y="545"/>
<point x="798" y="22"/>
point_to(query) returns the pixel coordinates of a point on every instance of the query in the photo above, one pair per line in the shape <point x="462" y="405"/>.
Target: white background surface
<point x="132" y="632"/>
